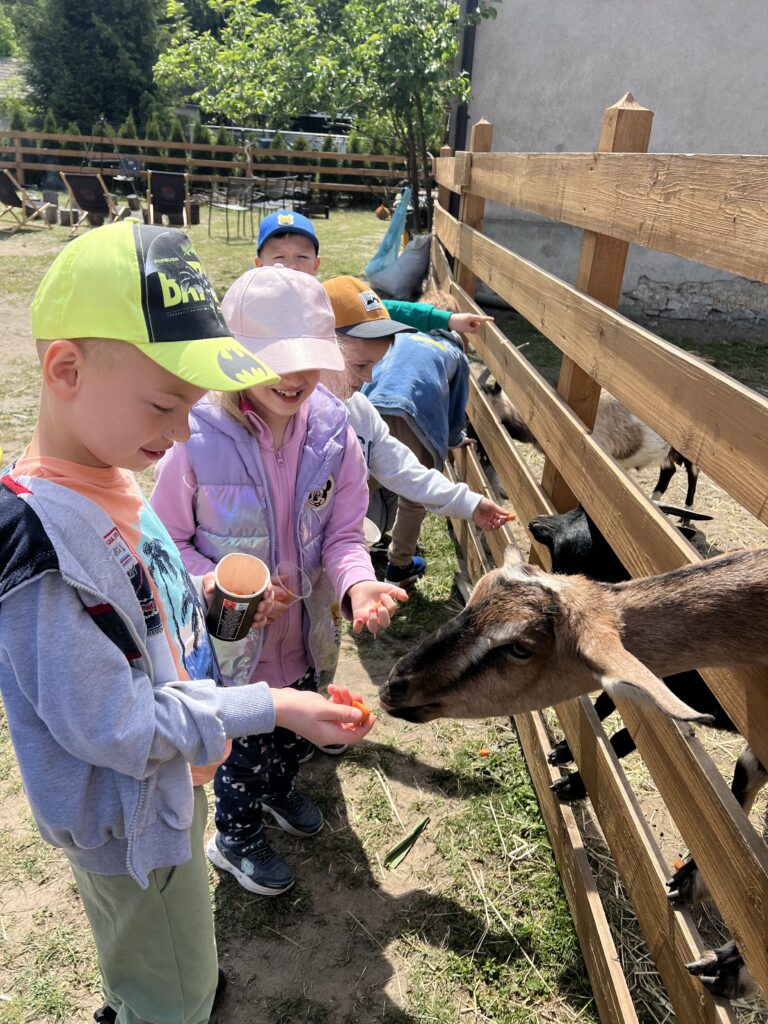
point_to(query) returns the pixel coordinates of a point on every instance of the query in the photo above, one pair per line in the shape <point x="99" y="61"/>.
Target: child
<point x="289" y="239"/>
<point x="421" y="392"/>
<point x="275" y="471"/>
<point x="106" y="670"/>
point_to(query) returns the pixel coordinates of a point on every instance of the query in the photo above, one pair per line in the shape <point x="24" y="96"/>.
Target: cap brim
<point x="372" y="329"/>
<point x="216" y="364"/>
<point x="293" y="355"/>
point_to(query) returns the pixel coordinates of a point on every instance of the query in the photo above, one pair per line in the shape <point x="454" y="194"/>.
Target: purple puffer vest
<point x="234" y="512"/>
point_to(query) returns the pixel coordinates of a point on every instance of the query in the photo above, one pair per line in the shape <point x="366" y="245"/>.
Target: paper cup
<point x="239" y="584"/>
<point x="371" y="532"/>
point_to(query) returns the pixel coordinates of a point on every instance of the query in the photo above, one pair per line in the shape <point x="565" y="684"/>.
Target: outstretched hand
<point x="373" y="603"/>
<point x="323" y="722"/>
<point x="467" y="323"/>
<point x="490" y="516"/>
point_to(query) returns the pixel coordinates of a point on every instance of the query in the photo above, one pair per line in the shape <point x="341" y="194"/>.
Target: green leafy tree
<point x="176" y="134"/>
<point x="9" y="47"/>
<point x="388" y="63"/>
<point x="201" y="134"/>
<point x="153" y="131"/>
<point x="89" y="58"/>
<point x="72" y="128"/>
<point x="128" y="130"/>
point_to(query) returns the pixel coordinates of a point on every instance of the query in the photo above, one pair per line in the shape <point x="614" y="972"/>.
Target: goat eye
<point x="518" y="650"/>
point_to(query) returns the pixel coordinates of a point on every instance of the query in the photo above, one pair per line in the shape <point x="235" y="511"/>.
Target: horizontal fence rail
<point x="706" y="208"/>
<point x="31" y="152"/>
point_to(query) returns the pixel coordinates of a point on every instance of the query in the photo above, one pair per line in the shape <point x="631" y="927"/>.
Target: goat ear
<point x="619" y="672"/>
<point x="513" y="555"/>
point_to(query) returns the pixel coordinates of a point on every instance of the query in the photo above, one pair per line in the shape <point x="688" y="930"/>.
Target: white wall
<point x="544" y="71"/>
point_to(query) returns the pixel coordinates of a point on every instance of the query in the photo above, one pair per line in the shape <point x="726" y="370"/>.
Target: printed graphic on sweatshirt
<point x="185" y="616"/>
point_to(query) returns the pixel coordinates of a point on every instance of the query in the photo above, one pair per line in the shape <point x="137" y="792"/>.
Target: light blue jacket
<point x="426" y="378"/>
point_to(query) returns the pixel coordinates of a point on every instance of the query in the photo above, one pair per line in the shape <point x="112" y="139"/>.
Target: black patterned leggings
<point x="258" y="766"/>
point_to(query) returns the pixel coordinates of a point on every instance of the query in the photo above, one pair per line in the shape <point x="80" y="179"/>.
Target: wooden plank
<point x="626" y="126"/>
<point x="89" y="140"/>
<point x="609" y="986"/>
<point x="733" y="858"/>
<point x="472" y="209"/>
<point x="711" y="418"/>
<point x="705" y="207"/>
<point x="670" y="934"/>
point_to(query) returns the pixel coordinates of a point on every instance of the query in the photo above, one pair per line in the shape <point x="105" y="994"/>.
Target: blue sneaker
<point x="404" y="575"/>
<point x="296" y="814"/>
<point x="258" y="868"/>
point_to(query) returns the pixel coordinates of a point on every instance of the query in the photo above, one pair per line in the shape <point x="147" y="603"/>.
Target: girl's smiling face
<point x="276" y="403"/>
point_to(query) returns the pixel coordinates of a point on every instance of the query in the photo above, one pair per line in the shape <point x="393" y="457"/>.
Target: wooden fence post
<point x="626" y="129"/>
<point x="19" y="157"/>
<point x="444" y="193"/>
<point x="472" y="208"/>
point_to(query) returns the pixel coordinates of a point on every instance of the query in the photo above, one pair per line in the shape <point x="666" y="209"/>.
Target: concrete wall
<point x="544" y="71"/>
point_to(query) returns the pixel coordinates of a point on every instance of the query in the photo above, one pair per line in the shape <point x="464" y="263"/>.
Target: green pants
<point x="156" y="946"/>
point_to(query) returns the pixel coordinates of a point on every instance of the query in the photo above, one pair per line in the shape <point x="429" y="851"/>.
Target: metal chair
<point x="91" y="198"/>
<point x="17" y="202"/>
<point x="278" y="194"/>
<point x="237" y="198"/>
<point x="168" y="196"/>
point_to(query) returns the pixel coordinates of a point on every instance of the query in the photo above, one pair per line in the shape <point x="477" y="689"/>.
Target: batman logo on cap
<point x="236" y="364"/>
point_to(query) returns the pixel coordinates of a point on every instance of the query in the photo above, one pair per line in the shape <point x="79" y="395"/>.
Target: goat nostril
<point x="394" y="690"/>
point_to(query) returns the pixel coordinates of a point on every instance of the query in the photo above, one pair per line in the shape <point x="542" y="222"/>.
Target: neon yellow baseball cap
<point x="143" y="284"/>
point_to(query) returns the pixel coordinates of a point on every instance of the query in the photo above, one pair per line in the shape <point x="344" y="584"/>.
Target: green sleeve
<point x="418" y="315"/>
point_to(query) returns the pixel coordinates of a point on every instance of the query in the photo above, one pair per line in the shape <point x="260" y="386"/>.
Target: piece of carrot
<point x="365" y="711"/>
<point x="484" y="752"/>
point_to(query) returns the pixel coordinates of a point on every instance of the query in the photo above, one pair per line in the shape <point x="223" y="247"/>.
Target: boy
<point x="106" y="670"/>
<point x="289" y="239"/>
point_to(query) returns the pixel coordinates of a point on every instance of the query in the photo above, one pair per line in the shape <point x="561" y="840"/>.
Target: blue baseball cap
<point x="286" y="222"/>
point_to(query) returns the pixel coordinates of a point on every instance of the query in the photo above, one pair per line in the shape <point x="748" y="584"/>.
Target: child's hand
<point x="263" y="609"/>
<point x="321" y="721"/>
<point x="203" y="773"/>
<point x="372" y="604"/>
<point x="490" y="516"/>
<point x="467" y="323"/>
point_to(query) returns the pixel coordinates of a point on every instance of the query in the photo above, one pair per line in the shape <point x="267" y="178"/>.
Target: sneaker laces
<point x="293" y="800"/>
<point x="259" y="849"/>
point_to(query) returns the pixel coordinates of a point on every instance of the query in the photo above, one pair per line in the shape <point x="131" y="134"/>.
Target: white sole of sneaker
<point x="286" y="826"/>
<point x="217" y="858"/>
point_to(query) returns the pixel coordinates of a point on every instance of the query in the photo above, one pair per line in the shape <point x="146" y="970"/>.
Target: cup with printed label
<point x="239" y="584"/>
<point x="291" y="583"/>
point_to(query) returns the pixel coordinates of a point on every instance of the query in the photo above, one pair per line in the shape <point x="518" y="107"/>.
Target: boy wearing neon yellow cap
<point x="107" y="673"/>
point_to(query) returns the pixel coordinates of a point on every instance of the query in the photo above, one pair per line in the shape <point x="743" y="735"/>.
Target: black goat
<point x="577" y="546"/>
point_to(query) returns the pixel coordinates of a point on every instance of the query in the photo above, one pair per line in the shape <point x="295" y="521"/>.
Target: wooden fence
<point x="706" y="208"/>
<point x="206" y="163"/>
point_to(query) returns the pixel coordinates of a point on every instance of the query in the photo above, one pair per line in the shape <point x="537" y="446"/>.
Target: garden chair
<point x="278" y="194"/>
<point x="17" y="202"/>
<point x="236" y="199"/>
<point x="91" y="198"/>
<point x="168" y="196"/>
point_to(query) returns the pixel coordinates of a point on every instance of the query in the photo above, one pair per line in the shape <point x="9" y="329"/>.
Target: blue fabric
<point x="389" y="248"/>
<point x="426" y="377"/>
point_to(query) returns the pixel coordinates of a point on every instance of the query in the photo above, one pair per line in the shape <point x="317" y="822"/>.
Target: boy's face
<point x="118" y="407"/>
<point x="360" y="357"/>
<point x="296" y="252"/>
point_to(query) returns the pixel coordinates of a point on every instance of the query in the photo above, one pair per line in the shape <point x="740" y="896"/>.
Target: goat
<point x="617" y="430"/>
<point x="529" y="639"/>
<point x="576" y="545"/>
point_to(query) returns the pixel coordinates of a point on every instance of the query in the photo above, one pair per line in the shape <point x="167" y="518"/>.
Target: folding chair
<point x="18" y="203"/>
<point x="91" y="198"/>
<point x="237" y="198"/>
<point x="168" y="196"/>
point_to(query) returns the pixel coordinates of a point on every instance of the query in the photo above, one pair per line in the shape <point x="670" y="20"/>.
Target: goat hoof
<point x="569" y="789"/>
<point x="686" y="886"/>
<point x="723" y="972"/>
<point x="560" y="753"/>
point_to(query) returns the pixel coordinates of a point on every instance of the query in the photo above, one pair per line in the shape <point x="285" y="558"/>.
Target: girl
<point x="276" y="471"/>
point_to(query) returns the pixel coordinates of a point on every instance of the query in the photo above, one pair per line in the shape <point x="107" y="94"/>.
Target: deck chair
<point x="237" y="200"/>
<point x="18" y="204"/>
<point x="91" y="198"/>
<point x="168" y="196"/>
